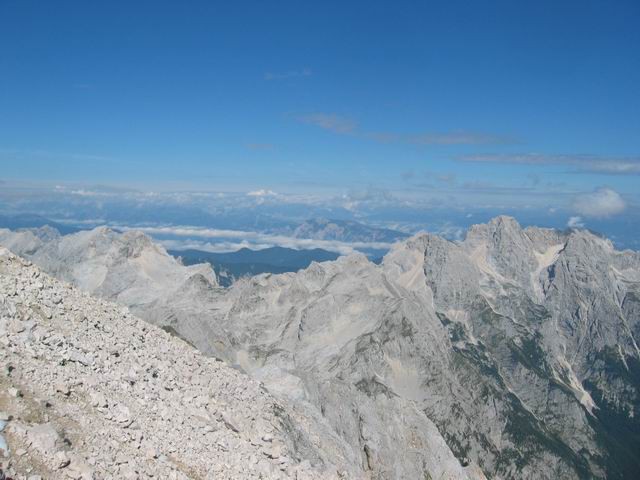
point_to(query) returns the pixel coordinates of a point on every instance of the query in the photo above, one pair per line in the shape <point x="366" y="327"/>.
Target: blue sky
<point x="497" y="103"/>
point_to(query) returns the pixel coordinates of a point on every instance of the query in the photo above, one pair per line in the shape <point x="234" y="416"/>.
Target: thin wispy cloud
<point x="448" y="178"/>
<point x="331" y="122"/>
<point x="305" y="72"/>
<point x="579" y="162"/>
<point x="459" y="138"/>
<point x="347" y="126"/>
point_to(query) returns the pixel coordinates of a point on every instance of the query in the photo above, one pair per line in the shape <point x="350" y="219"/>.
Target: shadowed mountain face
<point x="511" y="354"/>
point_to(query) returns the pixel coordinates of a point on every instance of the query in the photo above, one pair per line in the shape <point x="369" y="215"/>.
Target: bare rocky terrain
<point x="509" y="355"/>
<point x="89" y="391"/>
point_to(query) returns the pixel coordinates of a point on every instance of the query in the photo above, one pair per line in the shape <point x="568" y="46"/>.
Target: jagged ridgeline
<point x="511" y="354"/>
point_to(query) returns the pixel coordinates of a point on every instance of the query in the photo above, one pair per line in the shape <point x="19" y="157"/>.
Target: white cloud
<point x="253" y="240"/>
<point x="262" y="193"/>
<point x="575" y="222"/>
<point x="217" y="247"/>
<point x="87" y="193"/>
<point x="600" y="203"/>
<point x="370" y="197"/>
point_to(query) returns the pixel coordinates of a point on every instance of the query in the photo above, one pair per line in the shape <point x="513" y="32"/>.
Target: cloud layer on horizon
<point x="232" y="240"/>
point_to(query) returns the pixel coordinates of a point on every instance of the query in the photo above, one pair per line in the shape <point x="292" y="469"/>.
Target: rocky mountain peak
<point x="45" y="233"/>
<point x="135" y="242"/>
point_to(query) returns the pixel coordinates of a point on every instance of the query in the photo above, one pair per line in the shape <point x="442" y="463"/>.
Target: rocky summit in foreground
<point x="510" y="355"/>
<point x="87" y="391"/>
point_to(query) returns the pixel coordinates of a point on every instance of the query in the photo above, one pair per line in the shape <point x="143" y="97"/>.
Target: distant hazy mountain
<point x="246" y="262"/>
<point x="346" y="231"/>
<point x="26" y="220"/>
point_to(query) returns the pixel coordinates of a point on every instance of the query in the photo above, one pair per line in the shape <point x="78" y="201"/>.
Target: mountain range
<point x="510" y="354"/>
<point x="346" y="231"/>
